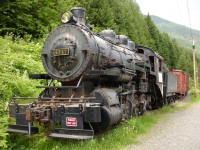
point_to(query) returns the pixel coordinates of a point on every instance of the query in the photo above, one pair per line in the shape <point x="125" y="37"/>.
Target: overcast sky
<point x="173" y="10"/>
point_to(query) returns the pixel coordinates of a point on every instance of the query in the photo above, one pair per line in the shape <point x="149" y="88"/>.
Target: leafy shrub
<point x="18" y="59"/>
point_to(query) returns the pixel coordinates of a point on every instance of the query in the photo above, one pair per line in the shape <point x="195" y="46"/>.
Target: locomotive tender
<point x="104" y="78"/>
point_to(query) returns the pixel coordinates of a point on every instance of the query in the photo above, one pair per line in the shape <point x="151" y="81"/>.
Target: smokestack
<point x="79" y="13"/>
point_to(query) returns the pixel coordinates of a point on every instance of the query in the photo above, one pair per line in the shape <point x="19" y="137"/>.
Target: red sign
<point x="71" y="122"/>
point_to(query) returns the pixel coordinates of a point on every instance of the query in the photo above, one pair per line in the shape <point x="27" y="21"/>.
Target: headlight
<point x="65" y="17"/>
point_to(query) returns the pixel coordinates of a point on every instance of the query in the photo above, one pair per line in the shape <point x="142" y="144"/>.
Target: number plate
<point x="71" y="122"/>
<point x="60" y="52"/>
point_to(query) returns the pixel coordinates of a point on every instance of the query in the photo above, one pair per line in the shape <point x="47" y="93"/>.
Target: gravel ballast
<point x="179" y="130"/>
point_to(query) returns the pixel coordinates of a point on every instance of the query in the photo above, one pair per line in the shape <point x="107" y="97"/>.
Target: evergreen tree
<point x="36" y="17"/>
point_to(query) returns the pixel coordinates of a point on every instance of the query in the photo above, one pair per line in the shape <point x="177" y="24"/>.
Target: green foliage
<point x="181" y="33"/>
<point x="175" y="56"/>
<point x="35" y="17"/>
<point x="18" y="59"/>
<point x="155" y="45"/>
<point x="3" y="126"/>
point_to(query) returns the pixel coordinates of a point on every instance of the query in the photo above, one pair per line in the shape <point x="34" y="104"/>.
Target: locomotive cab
<point x="155" y="76"/>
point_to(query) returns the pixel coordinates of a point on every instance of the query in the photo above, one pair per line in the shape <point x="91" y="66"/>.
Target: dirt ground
<point x="179" y="130"/>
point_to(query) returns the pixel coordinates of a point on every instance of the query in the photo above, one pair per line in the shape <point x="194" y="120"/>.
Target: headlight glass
<point x="65" y="17"/>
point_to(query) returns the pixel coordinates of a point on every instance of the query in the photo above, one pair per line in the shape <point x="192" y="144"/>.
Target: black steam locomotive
<point x="104" y="78"/>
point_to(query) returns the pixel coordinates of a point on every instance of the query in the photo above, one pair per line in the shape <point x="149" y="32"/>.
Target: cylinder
<point x="109" y="117"/>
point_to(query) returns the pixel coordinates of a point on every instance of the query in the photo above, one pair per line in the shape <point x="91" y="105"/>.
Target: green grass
<point x="119" y="136"/>
<point x="195" y="99"/>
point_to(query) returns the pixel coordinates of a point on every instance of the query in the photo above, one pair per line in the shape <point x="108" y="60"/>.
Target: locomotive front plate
<point x="60" y="52"/>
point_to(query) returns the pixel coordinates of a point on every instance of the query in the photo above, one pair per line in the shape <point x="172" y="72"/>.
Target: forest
<point x="25" y="24"/>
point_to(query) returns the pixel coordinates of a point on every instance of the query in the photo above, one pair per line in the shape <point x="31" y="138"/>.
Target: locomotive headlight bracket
<point x="67" y="17"/>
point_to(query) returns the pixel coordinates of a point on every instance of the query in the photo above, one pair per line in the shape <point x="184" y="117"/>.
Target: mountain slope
<point x="181" y="33"/>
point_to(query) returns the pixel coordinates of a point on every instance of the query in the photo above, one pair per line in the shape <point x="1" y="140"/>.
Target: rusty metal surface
<point x="183" y="81"/>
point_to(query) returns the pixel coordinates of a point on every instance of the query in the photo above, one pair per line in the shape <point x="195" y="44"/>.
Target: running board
<point x="64" y="133"/>
<point x="23" y="129"/>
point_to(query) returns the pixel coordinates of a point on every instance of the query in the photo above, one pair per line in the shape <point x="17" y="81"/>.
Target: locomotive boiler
<point x="104" y="79"/>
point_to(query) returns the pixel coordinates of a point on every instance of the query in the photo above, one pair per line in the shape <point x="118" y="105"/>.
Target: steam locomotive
<point x="104" y="79"/>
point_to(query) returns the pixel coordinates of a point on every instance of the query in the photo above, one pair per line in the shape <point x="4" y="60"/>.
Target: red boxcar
<point x="183" y="82"/>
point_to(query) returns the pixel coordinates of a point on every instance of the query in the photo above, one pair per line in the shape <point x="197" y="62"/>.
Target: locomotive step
<point x="63" y="133"/>
<point x="23" y="129"/>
